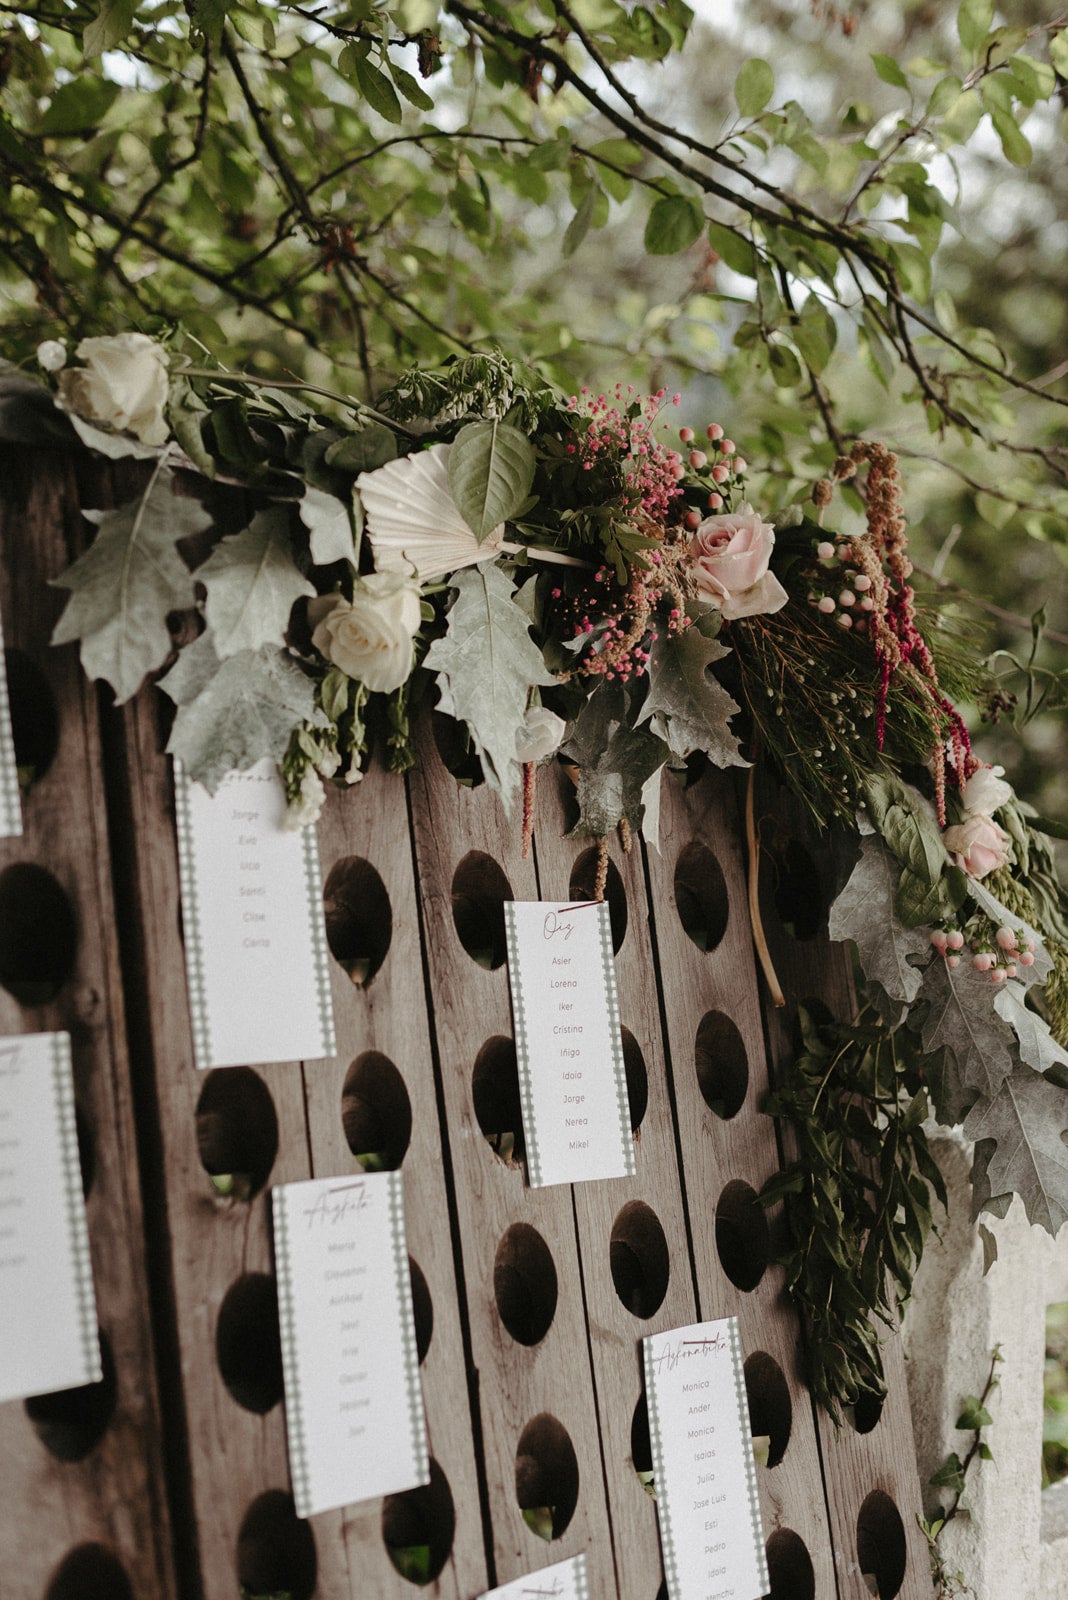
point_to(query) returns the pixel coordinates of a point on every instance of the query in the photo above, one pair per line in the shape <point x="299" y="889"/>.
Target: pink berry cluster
<point x="853" y="601"/>
<point x="621" y="429"/>
<point x="720" y="464"/>
<point x="1012" y="949"/>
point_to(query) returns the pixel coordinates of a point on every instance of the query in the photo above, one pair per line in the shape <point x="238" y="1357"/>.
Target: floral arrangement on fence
<point x="563" y="578"/>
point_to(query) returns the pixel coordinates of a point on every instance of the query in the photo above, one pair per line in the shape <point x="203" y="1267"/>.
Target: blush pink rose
<point x="729" y="558"/>
<point x="978" y="844"/>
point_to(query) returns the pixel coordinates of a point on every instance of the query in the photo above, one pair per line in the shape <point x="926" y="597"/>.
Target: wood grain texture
<point x="616" y="1332"/>
<point x="516" y="1383"/>
<point x="388" y="1015"/>
<point x="882" y="1462"/>
<point x="718" y="1151"/>
<point x="115" y="1495"/>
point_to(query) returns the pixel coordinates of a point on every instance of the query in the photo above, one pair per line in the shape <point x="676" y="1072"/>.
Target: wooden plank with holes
<point x="870" y="1462"/>
<point x="379" y="1100"/>
<point x="729" y="1150"/>
<point x="632" y="1231"/>
<point x="528" y="1331"/>
<point x="84" y="1499"/>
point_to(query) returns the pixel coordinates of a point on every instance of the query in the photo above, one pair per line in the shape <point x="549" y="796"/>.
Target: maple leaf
<point x="865" y="912"/>
<point x="615" y="763"/>
<point x="951" y="1097"/>
<point x="127" y="581"/>
<point x="252" y="583"/>
<point x="961" y="1018"/>
<point x="329" y="527"/>
<point x="685" y="706"/>
<point x="1038" y="1047"/>
<point x="234" y="712"/>
<point x="486" y="663"/>
<point x="1025" y="1120"/>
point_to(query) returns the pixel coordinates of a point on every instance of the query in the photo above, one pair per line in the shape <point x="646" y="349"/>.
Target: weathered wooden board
<point x="82" y="1491"/>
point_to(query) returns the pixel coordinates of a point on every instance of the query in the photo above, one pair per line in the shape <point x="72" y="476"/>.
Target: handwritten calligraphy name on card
<point x="567" y="1580"/>
<point x="48" y="1327"/>
<point x="354" y="1406"/>
<point x="255" y="940"/>
<point x="565" y="1009"/>
<point x="703" y="1466"/>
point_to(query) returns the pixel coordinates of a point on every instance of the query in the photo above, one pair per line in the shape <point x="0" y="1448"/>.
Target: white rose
<point x="985" y="792"/>
<point x="308" y="804"/>
<point x="123" y="384"/>
<point x="52" y="354"/>
<point x="369" y="637"/>
<point x="540" y="735"/>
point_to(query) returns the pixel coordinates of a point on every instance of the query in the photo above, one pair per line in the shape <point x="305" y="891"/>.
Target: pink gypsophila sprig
<point x="622" y="430"/>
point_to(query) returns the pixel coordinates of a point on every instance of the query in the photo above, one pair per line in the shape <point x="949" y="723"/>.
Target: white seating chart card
<point x="566" y="1580"/>
<point x="703" y="1467"/>
<point x="354" y="1406"/>
<point x="10" y="804"/>
<point x="48" y="1327"/>
<point x="252" y="911"/>
<point x="572" y="1081"/>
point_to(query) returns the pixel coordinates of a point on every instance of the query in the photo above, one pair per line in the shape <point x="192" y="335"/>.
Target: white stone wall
<point x="1013" y="1544"/>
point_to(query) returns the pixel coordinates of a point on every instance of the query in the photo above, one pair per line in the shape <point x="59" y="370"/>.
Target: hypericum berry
<point x="844" y="619"/>
<point x="728" y="446"/>
<point x="1026" y="958"/>
<point x="983" y="960"/>
<point x="955" y="939"/>
<point x="1006" y="938"/>
<point x="953" y="961"/>
<point x="686" y="435"/>
<point x="847" y="598"/>
<point x="740" y="466"/>
<point x="862" y="582"/>
<point x="715" y="501"/>
<point x="997" y="975"/>
<point x="692" y="520"/>
<point x="714" y="431"/>
<point x="721" y="473"/>
<point x="698" y="459"/>
<point x="939" y="938"/>
<point x="1010" y="970"/>
<point x="825" y="550"/>
<point x="826" y="605"/>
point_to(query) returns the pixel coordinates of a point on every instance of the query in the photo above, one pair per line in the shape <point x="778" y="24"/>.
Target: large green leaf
<point x="232" y="713"/>
<point x="491" y="469"/>
<point x="754" y="87"/>
<point x="109" y="27"/>
<point x="674" y="222"/>
<point x="252" y="583"/>
<point x="686" y="706"/>
<point x="128" y="580"/>
<point x="485" y="664"/>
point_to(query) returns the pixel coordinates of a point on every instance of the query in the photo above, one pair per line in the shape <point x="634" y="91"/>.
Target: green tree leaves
<point x="674" y="222"/>
<point x="754" y="87"/>
<point x="491" y="469"/>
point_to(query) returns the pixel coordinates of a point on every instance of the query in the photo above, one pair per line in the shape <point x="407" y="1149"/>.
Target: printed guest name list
<point x="255" y="941"/>
<point x="572" y="1083"/>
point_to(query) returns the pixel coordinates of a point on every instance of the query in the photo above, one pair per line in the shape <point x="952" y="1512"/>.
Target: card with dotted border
<point x="354" y="1404"/>
<point x="48" y="1329"/>
<point x="257" y="963"/>
<point x="568" y="1042"/>
<point x="10" y="801"/>
<point x="567" y="1580"/>
<point x="703" y="1465"/>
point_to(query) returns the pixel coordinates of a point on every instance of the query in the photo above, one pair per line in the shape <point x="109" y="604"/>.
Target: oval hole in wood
<point x="479" y="890"/>
<point x="881" y="1548"/>
<point x="864" y="1417"/>
<point x="276" y="1549"/>
<point x="237" y="1131"/>
<point x="790" y="1569"/>
<point x="641" y="1449"/>
<point x="34" y="717"/>
<point x="583" y="886"/>
<point x="495" y="1093"/>
<point x="524" y="1284"/>
<point x="637" y="1078"/>
<point x="89" y="1572"/>
<point x="455" y="747"/>
<point x="771" y="1413"/>
<point x="71" y="1423"/>
<point x="359" y="918"/>
<point x="722" y="1064"/>
<point x="546" y="1476"/>
<point x="742" y="1235"/>
<point x="86" y="1149"/>
<point x="639" y="1258"/>
<point x="701" y="895"/>
<point x="376" y="1112"/>
<point x="38" y="934"/>
<point x="797" y="892"/>
<point x="422" y="1309"/>
<point x="418" y="1528"/>
<point x="248" y="1342"/>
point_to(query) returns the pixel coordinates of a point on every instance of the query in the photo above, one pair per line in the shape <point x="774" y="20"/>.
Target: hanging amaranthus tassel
<point x="626" y="837"/>
<point x="600" y="882"/>
<point x="530" y="782"/>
